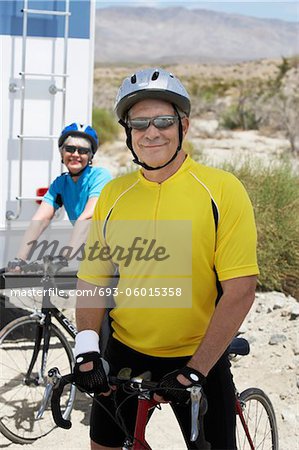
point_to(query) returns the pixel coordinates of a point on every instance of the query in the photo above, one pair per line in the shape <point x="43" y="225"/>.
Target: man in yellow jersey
<point x="179" y="238"/>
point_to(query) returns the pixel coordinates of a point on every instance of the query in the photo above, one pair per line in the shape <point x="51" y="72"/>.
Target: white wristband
<point x="86" y="341"/>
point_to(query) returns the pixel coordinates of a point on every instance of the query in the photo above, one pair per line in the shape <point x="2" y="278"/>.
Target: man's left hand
<point x="173" y="385"/>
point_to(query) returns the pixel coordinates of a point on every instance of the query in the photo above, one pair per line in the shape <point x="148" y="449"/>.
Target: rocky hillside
<point x="108" y="78"/>
<point x="180" y="35"/>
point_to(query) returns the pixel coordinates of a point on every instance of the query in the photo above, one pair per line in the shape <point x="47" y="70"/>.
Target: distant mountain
<point x="180" y="35"/>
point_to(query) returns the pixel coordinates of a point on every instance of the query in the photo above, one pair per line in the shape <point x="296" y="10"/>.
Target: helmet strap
<point x="78" y="173"/>
<point x="143" y="164"/>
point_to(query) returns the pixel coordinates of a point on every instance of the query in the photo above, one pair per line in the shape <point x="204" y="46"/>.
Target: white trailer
<point x="47" y="58"/>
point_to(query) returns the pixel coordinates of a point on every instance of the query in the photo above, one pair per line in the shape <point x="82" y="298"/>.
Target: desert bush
<point x="105" y="124"/>
<point x="208" y="89"/>
<point x="274" y="193"/>
<point x="283" y="68"/>
<point x="278" y="102"/>
<point x="281" y="113"/>
<point x="206" y="93"/>
<point x="243" y="113"/>
<point x="238" y="117"/>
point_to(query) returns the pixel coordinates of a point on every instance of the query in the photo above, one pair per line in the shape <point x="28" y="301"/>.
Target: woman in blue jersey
<point x="77" y="190"/>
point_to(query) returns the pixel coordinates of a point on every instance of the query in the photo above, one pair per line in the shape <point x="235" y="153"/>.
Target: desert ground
<point x="272" y="365"/>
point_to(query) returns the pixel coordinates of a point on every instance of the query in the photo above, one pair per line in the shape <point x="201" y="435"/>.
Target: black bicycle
<point x="32" y="344"/>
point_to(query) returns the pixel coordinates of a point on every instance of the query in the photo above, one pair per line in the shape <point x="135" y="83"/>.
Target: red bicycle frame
<point x="239" y="412"/>
<point x="144" y="407"/>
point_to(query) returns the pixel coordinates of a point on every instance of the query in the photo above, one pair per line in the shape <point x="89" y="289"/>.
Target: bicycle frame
<point x="145" y="405"/>
<point x="239" y="412"/>
<point x="143" y="409"/>
<point x="43" y="331"/>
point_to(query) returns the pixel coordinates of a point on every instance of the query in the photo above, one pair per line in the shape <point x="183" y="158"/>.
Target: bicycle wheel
<point x="20" y="397"/>
<point x="259" y="417"/>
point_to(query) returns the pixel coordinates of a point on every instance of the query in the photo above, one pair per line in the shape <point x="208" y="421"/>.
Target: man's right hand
<point x="16" y="265"/>
<point x="89" y="373"/>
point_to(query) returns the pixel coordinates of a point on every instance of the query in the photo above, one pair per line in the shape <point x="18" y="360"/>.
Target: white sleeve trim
<point x="208" y="190"/>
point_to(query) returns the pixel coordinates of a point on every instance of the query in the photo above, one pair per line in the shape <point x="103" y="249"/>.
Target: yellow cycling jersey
<point x="166" y="243"/>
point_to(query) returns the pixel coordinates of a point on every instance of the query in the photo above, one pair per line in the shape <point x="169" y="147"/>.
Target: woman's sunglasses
<point x="81" y="150"/>
<point x="160" y="122"/>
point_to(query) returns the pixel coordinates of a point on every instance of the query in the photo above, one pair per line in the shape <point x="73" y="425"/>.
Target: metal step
<point x="24" y="136"/>
<point x="45" y="12"/>
<point x="29" y="198"/>
<point x="32" y="74"/>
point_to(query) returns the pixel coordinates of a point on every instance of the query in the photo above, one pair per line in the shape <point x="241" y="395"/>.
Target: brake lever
<point x="45" y="401"/>
<point x="195" y="395"/>
<point x="54" y="264"/>
<point x="55" y="376"/>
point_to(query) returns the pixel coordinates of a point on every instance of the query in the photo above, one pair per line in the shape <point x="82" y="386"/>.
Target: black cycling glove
<point x="176" y="392"/>
<point x="16" y="262"/>
<point x="94" y="380"/>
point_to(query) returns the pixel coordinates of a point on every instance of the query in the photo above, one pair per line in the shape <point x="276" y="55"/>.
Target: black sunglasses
<point x="81" y="150"/>
<point x="160" y="122"/>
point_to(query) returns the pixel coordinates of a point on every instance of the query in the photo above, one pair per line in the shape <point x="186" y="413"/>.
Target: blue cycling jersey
<point x="74" y="196"/>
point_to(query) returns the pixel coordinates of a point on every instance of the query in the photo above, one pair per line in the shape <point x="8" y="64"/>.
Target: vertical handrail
<point x="65" y="57"/>
<point x="10" y="215"/>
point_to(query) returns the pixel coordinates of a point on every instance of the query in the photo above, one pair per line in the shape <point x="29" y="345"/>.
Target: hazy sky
<point x="285" y="10"/>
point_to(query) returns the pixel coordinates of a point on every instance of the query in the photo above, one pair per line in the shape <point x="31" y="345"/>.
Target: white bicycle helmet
<point x="151" y="83"/>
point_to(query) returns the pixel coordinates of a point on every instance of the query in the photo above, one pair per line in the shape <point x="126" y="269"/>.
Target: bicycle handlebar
<point x="141" y="385"/>
<point x="50" y="265"/>
<point x="239" y="346"/>
<point x="59" y="383"/>
<point x="33" y="267"/>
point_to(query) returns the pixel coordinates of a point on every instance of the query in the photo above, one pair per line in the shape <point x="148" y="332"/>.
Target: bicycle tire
<point x="259" y="416"/>
<point x="20" y="402"/>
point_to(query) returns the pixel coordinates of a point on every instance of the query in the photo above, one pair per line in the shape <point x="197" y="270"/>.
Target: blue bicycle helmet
<point x="78" y="129"/>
